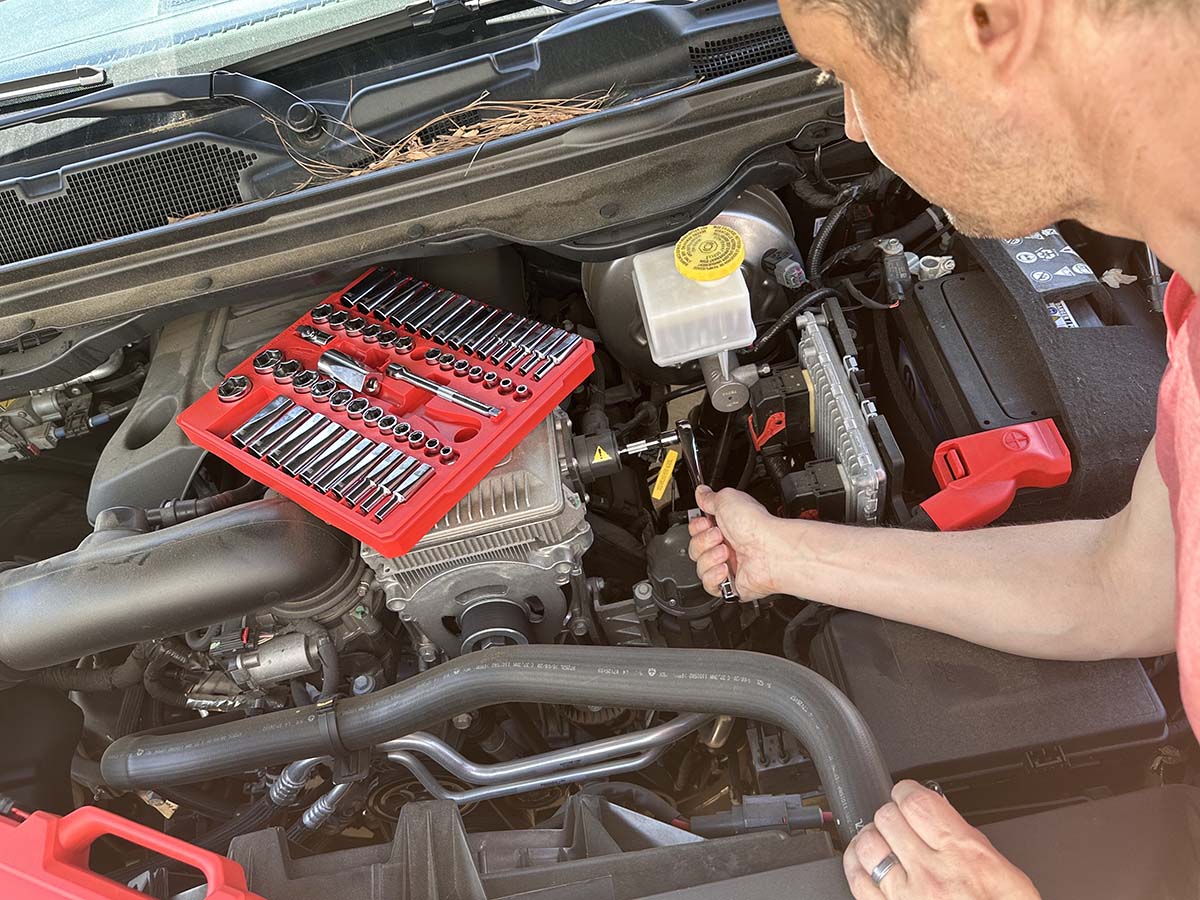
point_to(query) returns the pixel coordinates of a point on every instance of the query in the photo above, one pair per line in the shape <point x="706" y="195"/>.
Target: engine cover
<point x="492" y="570"/>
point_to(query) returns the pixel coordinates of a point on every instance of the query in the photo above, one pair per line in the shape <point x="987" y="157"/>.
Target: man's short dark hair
<point x="885" y="24"/>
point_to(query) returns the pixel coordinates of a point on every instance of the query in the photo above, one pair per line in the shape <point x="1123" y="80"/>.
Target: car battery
<point x="45" y="857"/>
<point x="992" y="729"/>
<point x="1023" y="331"/>
<point x="382" y="407"/>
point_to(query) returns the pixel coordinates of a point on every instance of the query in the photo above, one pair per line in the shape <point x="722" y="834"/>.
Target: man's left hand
<point x="938" y="855"/>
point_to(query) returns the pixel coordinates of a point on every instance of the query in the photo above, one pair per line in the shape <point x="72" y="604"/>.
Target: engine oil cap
<point x="709" y="253"/>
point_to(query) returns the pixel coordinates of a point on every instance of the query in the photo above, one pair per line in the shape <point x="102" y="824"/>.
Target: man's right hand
<point x="737" y="547"/>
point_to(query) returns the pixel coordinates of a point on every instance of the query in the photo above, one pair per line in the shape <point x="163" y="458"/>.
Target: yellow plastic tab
<point x="600" y="455"/>
<point x="664" y="475"/>
<point x="709" y="253"/>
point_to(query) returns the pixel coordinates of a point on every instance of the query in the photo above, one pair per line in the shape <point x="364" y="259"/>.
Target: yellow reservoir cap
<point x="709" y="253"/>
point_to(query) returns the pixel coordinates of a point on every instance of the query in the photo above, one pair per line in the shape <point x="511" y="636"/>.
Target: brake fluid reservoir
<point x="693" y="296"/>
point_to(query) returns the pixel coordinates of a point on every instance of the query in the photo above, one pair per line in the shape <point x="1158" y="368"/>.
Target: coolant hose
<point x="751" y="685"/>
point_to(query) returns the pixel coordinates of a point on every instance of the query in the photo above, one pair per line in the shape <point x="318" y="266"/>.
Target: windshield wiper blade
<point x="181" y="92"/>
<point x="78" y="78"/>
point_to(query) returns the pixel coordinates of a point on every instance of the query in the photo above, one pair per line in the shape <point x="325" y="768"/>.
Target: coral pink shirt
<point x="1179" y="462"/>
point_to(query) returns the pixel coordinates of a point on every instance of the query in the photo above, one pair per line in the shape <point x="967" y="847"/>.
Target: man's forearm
<point x="1036" y="590"/>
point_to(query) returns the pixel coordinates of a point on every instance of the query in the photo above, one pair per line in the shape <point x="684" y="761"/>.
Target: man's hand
<point x="737" y="547"/>
<point x="939" y="856"/>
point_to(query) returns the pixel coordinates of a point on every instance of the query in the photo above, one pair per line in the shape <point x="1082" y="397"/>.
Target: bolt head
<point x="463" y="721"/>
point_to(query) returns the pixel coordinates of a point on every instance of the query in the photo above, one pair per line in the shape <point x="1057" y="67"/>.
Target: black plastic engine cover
<point x="966" y="716"/>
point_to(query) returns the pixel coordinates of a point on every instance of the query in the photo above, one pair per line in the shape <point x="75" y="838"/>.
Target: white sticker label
<point x="1061" y="314"/>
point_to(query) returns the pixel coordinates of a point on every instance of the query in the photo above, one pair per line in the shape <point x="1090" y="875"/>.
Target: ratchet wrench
<point x="691" y="457"/>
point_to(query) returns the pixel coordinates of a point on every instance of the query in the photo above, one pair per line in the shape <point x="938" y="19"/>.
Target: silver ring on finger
<point x="882" y="868"/>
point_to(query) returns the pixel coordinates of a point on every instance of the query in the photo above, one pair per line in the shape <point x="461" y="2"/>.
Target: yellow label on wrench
<point x="664" y="475"/>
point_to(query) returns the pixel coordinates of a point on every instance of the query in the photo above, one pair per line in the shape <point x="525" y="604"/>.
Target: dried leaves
<point x="473" y="125"/>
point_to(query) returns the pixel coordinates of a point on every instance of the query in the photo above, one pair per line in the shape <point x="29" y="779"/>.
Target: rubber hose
<point x="750" y="685"/>
<point x="626" y="794"/>
<point x="110" y="678"/>
<point x="788" y="319"/>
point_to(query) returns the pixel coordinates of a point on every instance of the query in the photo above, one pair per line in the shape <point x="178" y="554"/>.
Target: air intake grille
<point x="121" y="198"/>
<point x="732" y="54"/>
<point x="723" y="4"/>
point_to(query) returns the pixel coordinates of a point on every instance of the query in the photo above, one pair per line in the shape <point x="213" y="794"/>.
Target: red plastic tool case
<point x="46" y="857"/>
<point x="479" y="441"/>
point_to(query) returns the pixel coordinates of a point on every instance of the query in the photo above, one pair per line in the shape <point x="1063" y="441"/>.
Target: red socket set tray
<point x="383" y="406"/>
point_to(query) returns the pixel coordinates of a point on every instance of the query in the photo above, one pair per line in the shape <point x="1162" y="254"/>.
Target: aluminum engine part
<point x="32" y="423"/>
<point x="283" y="657"/>
<point x="839" y="423"/>
<point x="517" y="537"/>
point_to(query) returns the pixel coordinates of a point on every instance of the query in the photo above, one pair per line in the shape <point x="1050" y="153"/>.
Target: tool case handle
<point x="81" y="828"/>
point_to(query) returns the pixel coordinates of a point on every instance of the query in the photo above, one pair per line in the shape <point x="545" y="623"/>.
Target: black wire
<point x="863" y="299"/>
<point x="791" y="632"/>
<point x="788" y="318"/>
<point x="681" y="392"/>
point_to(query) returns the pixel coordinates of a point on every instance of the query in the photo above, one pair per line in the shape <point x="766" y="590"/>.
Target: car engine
<point x="540" y="695"/>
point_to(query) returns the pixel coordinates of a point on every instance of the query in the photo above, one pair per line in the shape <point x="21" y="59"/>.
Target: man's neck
<point x="1139" y="102"/>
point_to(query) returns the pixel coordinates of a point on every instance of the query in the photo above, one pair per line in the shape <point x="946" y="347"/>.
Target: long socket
<point x="481" y="327"/>
<point x="311" y="448"/>
<point x="553" y="359"/>
<point x="454" y="306"/>
<point x="402" y="301"/>
<point x="541" y="350"/>
<point x="434" y="309"/>
<point x="326" y="459"/>
<point x="384" y="293"/>
<point x="458" y="325"/>
<point x="381" y="485"/>
<point x="298" y="437"/>
<point x="501" y="344"/>
<point x="403" y="491"/>
<point x="482" y="341"/>
<point x="341" y="465"/>
<point x="260" y="421"/>
<point x="277" y="431"/>
<point x="361" y="484"/>
<point x="364" y="287"/>
<point x="349" y="478"/>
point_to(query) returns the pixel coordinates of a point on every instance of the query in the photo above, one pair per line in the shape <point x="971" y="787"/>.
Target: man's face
<point x="953" y="130"/>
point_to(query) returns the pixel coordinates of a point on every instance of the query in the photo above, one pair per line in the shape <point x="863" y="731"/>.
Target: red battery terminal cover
<point x="980" y="474"/>
<point x="46" y="857"/>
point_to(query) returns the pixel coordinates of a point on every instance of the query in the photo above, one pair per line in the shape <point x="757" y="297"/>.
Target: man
<point x="1012" y="115"/>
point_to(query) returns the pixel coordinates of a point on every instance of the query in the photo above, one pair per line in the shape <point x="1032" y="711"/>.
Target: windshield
<point x="136" y="39"/>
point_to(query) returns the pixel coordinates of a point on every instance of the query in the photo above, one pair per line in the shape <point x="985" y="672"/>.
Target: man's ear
<point x="1004" y="32"/>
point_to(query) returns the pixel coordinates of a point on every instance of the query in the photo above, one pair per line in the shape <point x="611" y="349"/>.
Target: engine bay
<point x="540" y="695"/>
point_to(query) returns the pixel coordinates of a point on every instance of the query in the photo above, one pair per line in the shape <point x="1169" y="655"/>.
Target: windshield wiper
<point x="76" y="79"/>
<point x="181" y="92"/>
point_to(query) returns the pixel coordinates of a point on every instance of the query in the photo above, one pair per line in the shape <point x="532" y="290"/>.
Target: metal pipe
<point x="545" y="763"/>
<point x="491" y="792"/>
<point x="754" y="686"/>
